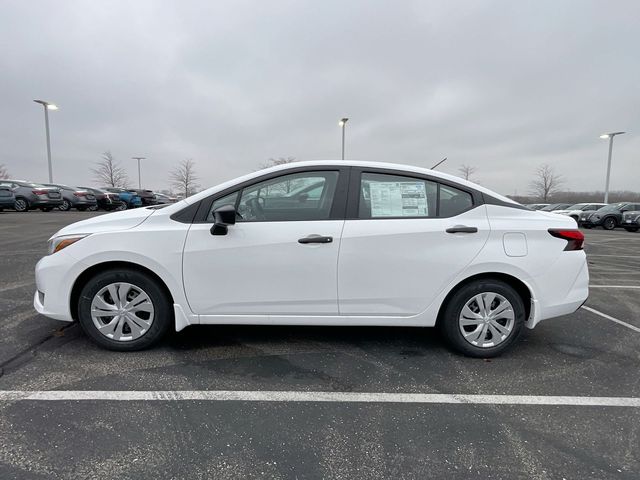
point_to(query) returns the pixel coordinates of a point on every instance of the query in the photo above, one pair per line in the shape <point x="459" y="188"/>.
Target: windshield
<point x="614" y="206"/>
<point x="577" y="206"/>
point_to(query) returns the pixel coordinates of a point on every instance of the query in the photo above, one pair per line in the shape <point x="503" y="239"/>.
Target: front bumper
<point x="55" y="276"/>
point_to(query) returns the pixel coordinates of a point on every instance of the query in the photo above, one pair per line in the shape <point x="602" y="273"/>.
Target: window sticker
<point x="398" y="199"/>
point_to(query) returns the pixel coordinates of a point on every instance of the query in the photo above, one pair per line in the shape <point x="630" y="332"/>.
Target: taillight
<point x="79" y="194"/>
<point x="574" y="238"/>
<point x="39" y="192"/>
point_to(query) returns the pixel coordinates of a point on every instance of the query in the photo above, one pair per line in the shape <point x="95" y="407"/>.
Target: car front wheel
<point x="483" y="318"/>
<point x="609" y="223"/>
<point x="124" y="310"/>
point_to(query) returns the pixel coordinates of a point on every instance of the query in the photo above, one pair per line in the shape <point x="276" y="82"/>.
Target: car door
<point x="280" y="258"/>
<point x="406" y="237"/>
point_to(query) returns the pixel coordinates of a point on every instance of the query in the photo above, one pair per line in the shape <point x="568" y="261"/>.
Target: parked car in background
<point x="74" y="197"/>
<point x="609" y="216"/>
<point x="128" y="198"/>
<point x="147" y="196"/>
<point x="555" y="206"/>
<point x="161" y="198"/>
<point x="536" y="206"/>
<point x="30" y="196"/>
<point x="631" y="220"/>
<point x="105" y="200"/>
<point x="381" y="244"/>
<point x="7" y="197"/>
<point x="576" y="209"/>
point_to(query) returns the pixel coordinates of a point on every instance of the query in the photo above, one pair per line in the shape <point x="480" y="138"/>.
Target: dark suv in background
<point x="608" y="217"/>
<point x="147" y="196"/>
<point x="106" y="200"/>
<point x="73" y="197"/>
<point x="631" y="220"/>
<point x="30" y="196"/>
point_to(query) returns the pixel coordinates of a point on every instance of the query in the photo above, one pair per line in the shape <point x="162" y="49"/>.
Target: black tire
<point x="93" y="208"/>
<point x="122" y="206"/>
<point x="449" y="321"/>
<point x="21" y="205"/>
<point x="65" y="207"/>
<point x="609" y="223"/>
<point x="163" y="311"/>
<point x="631" y="229"/>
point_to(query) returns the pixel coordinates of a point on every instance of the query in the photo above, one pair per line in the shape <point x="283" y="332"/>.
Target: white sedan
<point x="319" y="243"/>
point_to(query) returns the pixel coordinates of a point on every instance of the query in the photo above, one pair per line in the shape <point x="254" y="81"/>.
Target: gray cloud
<point x="503" y="86"/>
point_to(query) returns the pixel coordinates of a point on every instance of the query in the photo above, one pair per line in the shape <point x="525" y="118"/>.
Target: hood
<point x="109" y="222"/>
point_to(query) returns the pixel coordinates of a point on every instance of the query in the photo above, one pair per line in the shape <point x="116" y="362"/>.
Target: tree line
<point x="183" y="178"/>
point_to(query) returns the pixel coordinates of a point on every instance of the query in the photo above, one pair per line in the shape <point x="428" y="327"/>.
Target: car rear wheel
<point x="124" y="310"/>
<point x="609" y="223"/>
<point x="65" y="207"/>
<point x="93" y="208"/>
<point x="122" y="206"/>
<point x="21" y="205"/>
<point x="483" y="318"/>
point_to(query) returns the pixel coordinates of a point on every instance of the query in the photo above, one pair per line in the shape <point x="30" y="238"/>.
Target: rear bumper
<point x="45" y="203"/>
<point x="551" y="297"/>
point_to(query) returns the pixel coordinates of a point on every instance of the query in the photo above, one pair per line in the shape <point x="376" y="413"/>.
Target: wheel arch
<point x="93" y="270"/>
<point x="521" y="288"/>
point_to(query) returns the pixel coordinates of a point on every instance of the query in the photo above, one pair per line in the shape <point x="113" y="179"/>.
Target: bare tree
<point x="466" y="171"/>
<point x="546" y="182"/>
<point x="4" y="173"/>
<point x="282" y="187"/>
<point x="109" y="172"/>
<point x="272" y="162"/>
<point x="184" y="177"/>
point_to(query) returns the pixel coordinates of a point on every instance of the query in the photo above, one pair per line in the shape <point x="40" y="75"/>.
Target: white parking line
<point x="614" y="286"/>
<point x="609" y="317"/>
<point x="298" y="396"/>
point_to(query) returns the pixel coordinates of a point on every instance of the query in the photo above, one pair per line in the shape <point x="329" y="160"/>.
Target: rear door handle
<point x="316" y="239"/>
<point x="461" y="229"/>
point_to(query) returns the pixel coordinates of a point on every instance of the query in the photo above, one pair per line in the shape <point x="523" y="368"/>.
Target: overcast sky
<point x="500" y="85"/>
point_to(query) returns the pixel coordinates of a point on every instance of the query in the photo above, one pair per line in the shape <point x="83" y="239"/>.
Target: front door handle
<point x="316" y="239"/>
<point x="461" y="229"/>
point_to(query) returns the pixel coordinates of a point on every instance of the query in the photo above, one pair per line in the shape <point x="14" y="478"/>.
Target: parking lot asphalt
<point x="585" y="354"/>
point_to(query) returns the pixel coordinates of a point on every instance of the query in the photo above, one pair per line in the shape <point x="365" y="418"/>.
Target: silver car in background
<point x="574" y="211"/>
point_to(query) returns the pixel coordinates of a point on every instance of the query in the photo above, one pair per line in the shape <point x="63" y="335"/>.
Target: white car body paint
<point x="375" y="272"/>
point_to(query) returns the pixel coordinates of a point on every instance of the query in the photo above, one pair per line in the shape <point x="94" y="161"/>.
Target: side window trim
<point x="353" y="203"/>
<point x="339" y="197"/>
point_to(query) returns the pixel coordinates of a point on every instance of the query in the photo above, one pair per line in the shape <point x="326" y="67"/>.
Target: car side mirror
<point x="223" y="217"/>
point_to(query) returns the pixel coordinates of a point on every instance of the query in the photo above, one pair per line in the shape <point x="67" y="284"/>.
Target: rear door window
<point x="453" y="201"/>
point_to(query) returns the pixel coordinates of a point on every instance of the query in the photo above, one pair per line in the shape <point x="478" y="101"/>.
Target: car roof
<point x="347" y="163"/>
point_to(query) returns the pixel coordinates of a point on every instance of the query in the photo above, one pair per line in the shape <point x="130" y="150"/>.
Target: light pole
<point x="610" y="137"/>
<point x="139" y="177"/>
<point x="342" y="123"/>
<point x="48" y="106"/>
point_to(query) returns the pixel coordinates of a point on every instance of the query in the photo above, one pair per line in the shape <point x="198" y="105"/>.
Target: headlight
<point x="63" y="241"/>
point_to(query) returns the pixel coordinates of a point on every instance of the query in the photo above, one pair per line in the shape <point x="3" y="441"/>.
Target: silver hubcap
<point x="486" y="320"/>
<point x="21" y="205"/>
<point x="121" y="311"/>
